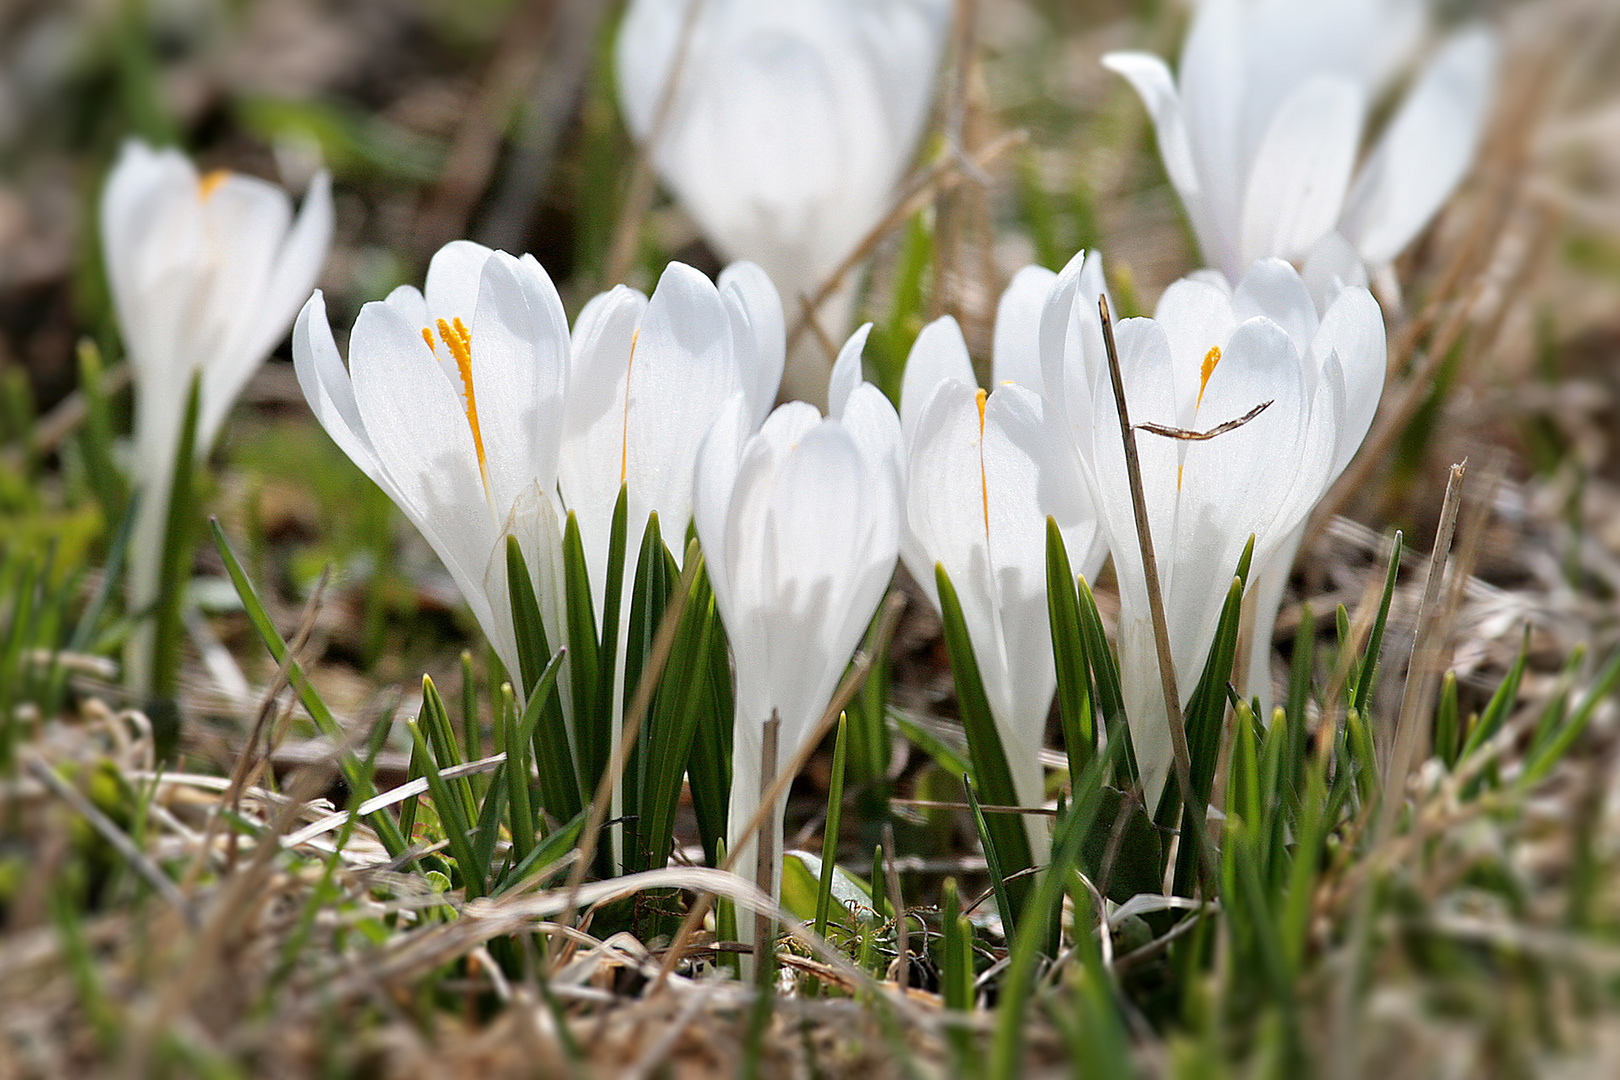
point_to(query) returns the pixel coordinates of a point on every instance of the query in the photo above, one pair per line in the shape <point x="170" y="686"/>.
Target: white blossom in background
<point x="790" y="125"/>
<point x="206" y="274"/>
<point x="1208" y="357"/>
<point x="646" y="379"/>
<point x="800" y="526"/>
<point x="985" y="472"/>
<point x="452" y="403"/>
<point x="1261" y="128"/>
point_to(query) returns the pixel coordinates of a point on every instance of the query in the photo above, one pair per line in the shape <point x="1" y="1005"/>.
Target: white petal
<point x="1196" y="318"/>
<point x="1301" y="170"/>
<point x="1426" y="151"/>
<point x="1273" y="288"/>
<point x="1017" y="350"/>
<point x="847" y="373"/>
<point x="451" y="289"/>
<point x="946" y="500"/>
<point x="1150" y="77"/>
<point x="874" y="425"/>
<point x="1331" y="265"/>
<point x="938" y="354"/>
<point x="755" y="311"/>
<point x="422" y="439"/>
<point x="325" y="383"/>
<point x="517" y="379"/>
<point x="1353" y="330"/>
<point x="591" y="468"/>
<point x="715" y="477"/>
<point x="680" y="375"/>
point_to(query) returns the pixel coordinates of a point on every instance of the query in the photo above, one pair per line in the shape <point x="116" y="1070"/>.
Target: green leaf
<point x="1205" y="720"/>
<point x="435" y="718"/>
<point x="1069" y="652"/>
<point x="560" y="789"/>
<point x="453" y="817"/>
<point x="1368" y="681"/>
<point x="1446" y="744"/>
<point x="1542" y="761"/>
<point x="1501" y="703"/>
<point x="168" y="630"/>
<point x="1006" y="1058"/>
<point x="649" y="594"/>
<point x="992" y="860"/>
<point x="1109" y="700"/>
<point x="990" y="772"/>
<point x="673" y="718"/>
<point x="709" y="766"/>
<point x="829" y="833"/>
<point x="592" y="718"/>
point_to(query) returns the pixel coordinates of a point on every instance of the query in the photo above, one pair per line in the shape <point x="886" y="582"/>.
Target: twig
<point x="1203" y="436"/>
<point x="115" y="836"/>
<point x="765" y="850"/>
<point x="1419" y="673"/>
<point x="891" y="878"/>
<point x="1161" y="627"/>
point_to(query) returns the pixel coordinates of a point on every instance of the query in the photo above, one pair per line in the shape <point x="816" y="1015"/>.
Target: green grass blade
<point x="386" y="828"/>
<point x="829" y="833"/>
<point x="452" y="816"/>
<point x="592" y="716"/>
<point x="993" y="864"/>
<point x="990" y="772"/>
<point x="168" y="631"/>
<point x="1069" y="652"/>
<point x="1368" y="679"/>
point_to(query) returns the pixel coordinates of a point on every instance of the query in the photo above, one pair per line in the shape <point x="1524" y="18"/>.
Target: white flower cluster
<point x="483" y="415"/>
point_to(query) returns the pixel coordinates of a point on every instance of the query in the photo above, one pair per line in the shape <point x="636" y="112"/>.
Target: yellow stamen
<point x="984" y="485"/>
<point x="210" y="182"/>
<point x="458" y="339"/>
<point x="1211" y="358"/>
<point x="624" y="437"/>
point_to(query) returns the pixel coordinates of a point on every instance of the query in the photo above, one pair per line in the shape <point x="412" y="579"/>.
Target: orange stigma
<point x="210" y="182"/>
<point x="458" y="339"/>
<point x="624" y="437"/>
<point x="1211" y="358"/>
<point x="984" y="484"/>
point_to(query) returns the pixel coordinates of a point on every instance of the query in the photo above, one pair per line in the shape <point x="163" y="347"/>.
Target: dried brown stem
<point x="1161" y="626"/>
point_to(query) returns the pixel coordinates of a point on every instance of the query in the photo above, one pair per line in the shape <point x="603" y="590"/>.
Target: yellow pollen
<point x="1211" y="358"/>
<point x="984" y="485"/>
<point x="458" y="339"/>
<point x="210" y="182"/>
<point x="624" y="437"/>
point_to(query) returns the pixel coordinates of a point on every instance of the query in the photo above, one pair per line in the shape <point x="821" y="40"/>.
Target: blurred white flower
<point x="790" y="124"/>
<point x="1208" y="357"/>
<point x="1261" y="128"/>
<point x="453" y="404"/>
<point x="800" y="525"/>
<point x="206" y="275"/>
<point x="985" y="472"/>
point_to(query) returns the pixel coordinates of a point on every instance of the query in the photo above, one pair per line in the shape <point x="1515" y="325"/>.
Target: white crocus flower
<point x="986" y="471"/>
<point x="800" y="525"/>
<point x="1341" y="321"/>
<point x="790" y="125"/>
<point x="206" y="274"/>
<point x="1261" y="128"/>
<point x="1208" y="357"/>
<point x="646" y="379"/>
<point x="453" y="404"/>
